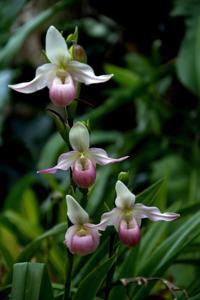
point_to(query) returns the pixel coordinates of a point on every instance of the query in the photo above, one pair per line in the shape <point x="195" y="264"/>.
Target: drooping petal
<point x="79" y="137"/>
<point x="101" y="157"/>
<point x="56" y="47"/>
<point x="42" y="76"/>
<point x="75" y="212"/>
<point x="84" y="172"/>
<point x="153" y="213"/>
<point x="84" y="73"/>
<point x="65" y="161"/>
<point x="125" y="199"/>
<point x="62" y="94"/>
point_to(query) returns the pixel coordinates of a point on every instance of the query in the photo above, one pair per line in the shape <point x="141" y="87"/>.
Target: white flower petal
<point x="65" y="161"/>
<point x="48" y="71"/>
<point x="56" y="47"/>
<point x="112" y="217"/>
<point x="84" y="73"/>
<point x="153" y="213"/>
<point x="125" y="199"/>
<point x="100" y="156"/>
<point x="42" y="76"/>
<point x="79" y="137"/>
<point x="75" y="212"/>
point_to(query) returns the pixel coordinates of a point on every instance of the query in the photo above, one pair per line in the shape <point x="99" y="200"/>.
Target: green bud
<point x="123" y="176"/>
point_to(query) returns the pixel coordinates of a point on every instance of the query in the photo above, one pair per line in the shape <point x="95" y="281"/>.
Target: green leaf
<point x="50" y="151"/>
<point x="165" y="254"/>
<point x="23" y="225"/>
<point x="97" y="192"/>
<point x="188" y="60"/>
<point x="30" y="206"/>
<point x="96" y="277"/>
<point x="185" y="8"/>
<point x="16" y="40"/>
<point x="14" y="198"/>
<point x="123" y="76"/>
<point x="149" y="195"/>
<point x="31" y="248"/>
<point x="29" y="251"/>
<point x="31" y="282"/>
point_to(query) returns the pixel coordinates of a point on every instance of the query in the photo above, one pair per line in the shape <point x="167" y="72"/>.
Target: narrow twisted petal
<point x="56" y="47"/>
<point x="42" y="77"/>
<point x="75" y="212"/>
<point x="65" y="161"/>
<point x="79" y="137"/>
<point x="153" y="213"/>
<point x="84" y="73"/>
<point x="101" y="157"/>
<point x="125" y="199"/>
<point x="62" y="94"/>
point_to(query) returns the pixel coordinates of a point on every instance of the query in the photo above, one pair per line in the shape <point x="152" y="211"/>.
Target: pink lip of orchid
<point x="61" y="74"/>
<point x="82" y="238"/>
<point x="82" y="160"/>
<point x="127" y="215"/>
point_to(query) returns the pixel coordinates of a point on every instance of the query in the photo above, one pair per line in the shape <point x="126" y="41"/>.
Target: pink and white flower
<point x="61" y="74"/>
<point x="82" y="160"/>
<point x="81" y="238"/>
<point x="127" y="215"/>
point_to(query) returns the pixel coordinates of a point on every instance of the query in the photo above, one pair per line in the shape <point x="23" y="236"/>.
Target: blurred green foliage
<point x="150" y="111"/>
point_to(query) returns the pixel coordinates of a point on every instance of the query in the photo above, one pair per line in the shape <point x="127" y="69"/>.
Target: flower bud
<point x="62" y="94"/>
<point x="78" y="53"/>
<point x="84" y="172"/>
<point x="129" y="233"/>
<point x="81" y="240"/>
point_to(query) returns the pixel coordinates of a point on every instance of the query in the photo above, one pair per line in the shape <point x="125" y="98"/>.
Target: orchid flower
<point x="61" y="74"/>
<point x="127" y="215"/>
<point x="81" y="238"/>
<point x="82" y="160"/>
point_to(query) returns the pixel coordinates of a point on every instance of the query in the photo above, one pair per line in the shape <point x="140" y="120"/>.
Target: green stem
<point x="69" y="266"/>
<point x="111" y="272"/>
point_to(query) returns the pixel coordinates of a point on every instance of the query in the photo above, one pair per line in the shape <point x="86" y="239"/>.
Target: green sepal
<point x="63" y="128"/>
<point x="73" y="37"/>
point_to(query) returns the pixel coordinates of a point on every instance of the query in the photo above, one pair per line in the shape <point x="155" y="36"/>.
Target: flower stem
<point x="109" y="277"/>
<point x="69" y="266"/>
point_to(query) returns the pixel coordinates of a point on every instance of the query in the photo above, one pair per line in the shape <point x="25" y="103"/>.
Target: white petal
<point x="56" y="47"/>
<point x="112" y="217"/>
<point x="42" y="76"/>
<point x="125" y="199"/>
<point x="100" y="156"/>
<point x="48" y="71"/>
<point x="79" y="137"/>
<point x="153" y="213"/>
<point x="65" y="161"/>
<point x="75" y="212"/>
<point x="84" y="73"/>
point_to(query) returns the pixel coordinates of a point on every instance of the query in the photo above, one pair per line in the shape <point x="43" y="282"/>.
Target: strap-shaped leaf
<point x="166" y="253"/>
<point x="31" y="282"/>
<point x="148" y="195"/>
<point x="188" y="60"/>
<point x="89" y="286"/>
